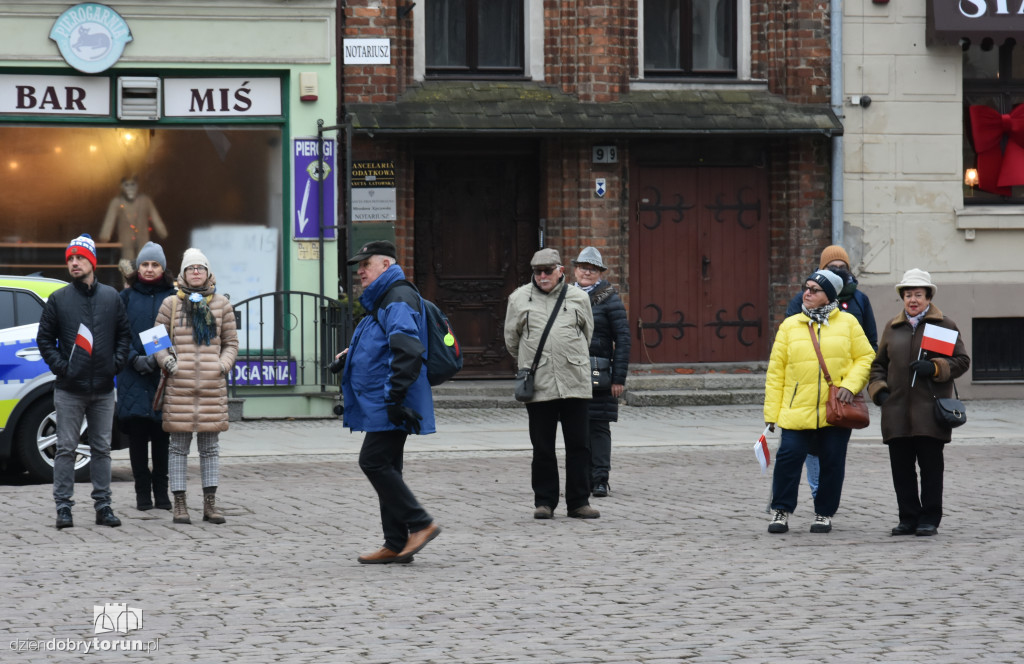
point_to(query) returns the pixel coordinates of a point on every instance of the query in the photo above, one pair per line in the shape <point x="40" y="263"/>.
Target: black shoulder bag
<point x="950" y="412"/>
<point x="524" y="377"/>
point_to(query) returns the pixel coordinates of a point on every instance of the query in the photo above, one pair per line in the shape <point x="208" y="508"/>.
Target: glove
<point x="923" y="368"/>
<point x="144" y="364"/>
<point x="404" y="418"/>
<point x="171" y="365"/>
<point x="882" y="397"/>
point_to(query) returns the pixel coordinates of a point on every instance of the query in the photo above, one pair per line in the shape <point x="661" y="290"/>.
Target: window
<point x="18" y="309"/>
<point x="474" y="38"/>
<point x="994" y="79"/>
<point x="998" y="353"/>
<point x="59" y="182"/>
<point x="689" y="38"/>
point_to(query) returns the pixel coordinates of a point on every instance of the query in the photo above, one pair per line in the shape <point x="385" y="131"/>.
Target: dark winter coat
<point x="611" y="340"/>
<point x="910" y="411"/>
<point x="852" y="301"/>
<point x="135" y="391"/>
<point x="98" y="308"/>
<point x="385" y="363"/>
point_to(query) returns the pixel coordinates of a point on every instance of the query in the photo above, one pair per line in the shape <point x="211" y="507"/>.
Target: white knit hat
<point x="194" y="257"/>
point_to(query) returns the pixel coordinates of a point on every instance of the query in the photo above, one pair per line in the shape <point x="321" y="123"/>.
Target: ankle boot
<point x="210" y="512"/>
<point x="180" y="508"/>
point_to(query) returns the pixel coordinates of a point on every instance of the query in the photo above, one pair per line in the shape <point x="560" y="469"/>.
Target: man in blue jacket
<point x="387" y="395"/>
<point x="84" y="337"/>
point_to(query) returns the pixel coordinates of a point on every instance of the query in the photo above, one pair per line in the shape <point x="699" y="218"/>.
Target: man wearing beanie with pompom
<point x="84" y="337"/>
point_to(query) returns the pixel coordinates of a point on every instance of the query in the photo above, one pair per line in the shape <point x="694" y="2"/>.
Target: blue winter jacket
<point x="385" y="358"/>
<point x="135" y="391"/>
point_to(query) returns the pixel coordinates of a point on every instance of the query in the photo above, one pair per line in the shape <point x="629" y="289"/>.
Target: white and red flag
<point x="764" y="457"/>
<point x="939" y="339"/>
<point x="84" y="338"/>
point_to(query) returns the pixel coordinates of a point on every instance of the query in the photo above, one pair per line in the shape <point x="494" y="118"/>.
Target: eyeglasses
<point x="195" y="268"/>
<point x="587" y="268"/>
<point x="545" y="269"/>
<point x="814" y="291"/>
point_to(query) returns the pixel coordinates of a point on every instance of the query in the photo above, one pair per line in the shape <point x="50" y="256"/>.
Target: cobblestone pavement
<point x="679" y="568"/>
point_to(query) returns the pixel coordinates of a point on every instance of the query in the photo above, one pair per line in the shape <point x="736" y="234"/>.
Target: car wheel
<point x="36" y="439"/>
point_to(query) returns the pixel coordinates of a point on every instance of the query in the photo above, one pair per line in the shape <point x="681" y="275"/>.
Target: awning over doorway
<point x="975" y="20"/>
<point x="449" y="107"/>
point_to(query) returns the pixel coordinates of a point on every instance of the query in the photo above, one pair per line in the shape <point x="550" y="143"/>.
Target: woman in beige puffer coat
<point x="201" y="324"/>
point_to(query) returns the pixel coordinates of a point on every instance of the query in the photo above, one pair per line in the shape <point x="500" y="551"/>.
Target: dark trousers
<point x="141" y="431"/>
<point x="400" y="513"/>
<point x="830" y="445"/>
<point x="600" y="450"/>
<point x="544" y="418"/>
<point x="904" y="453"/>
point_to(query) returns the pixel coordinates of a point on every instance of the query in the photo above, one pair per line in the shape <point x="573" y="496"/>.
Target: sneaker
<point x="543" y="512"/>
<point x="105" y="517"/>
<point x="601" y="490"/>
<point x="780" y="522"/>
<point x="585" y="512"/>
<point x="822" y="524"/>
<point x="64" y="519"/>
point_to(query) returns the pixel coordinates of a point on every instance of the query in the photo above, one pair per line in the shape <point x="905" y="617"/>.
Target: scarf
<point x="916" y="320"/>
<point x="195" y="309"/>
<point x="820" y="314"/>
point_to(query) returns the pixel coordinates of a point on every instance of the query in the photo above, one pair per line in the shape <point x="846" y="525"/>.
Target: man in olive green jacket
<point x="562" y="388"/>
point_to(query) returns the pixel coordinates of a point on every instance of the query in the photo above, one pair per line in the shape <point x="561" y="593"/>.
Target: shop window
<point x="59" y="182"/>
<point x="993" y="87"/>
<point x="998" y="353"/>
<point x="686" y="38"/>
<point x="474" y="38"/>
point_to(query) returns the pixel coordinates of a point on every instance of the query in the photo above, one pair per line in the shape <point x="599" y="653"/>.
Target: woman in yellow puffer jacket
<point x="796" y="392"/>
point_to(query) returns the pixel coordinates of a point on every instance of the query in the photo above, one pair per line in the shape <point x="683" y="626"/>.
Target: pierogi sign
<point x="91" y="37"/>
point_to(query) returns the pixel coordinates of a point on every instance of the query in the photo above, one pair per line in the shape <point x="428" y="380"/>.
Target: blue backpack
<point x="444" y="356"/>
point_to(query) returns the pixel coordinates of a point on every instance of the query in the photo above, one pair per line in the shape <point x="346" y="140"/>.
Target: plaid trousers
<point x="209" y="458"/>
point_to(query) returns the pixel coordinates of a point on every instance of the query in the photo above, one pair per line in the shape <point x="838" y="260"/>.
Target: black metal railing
<point x="287" y="339"/>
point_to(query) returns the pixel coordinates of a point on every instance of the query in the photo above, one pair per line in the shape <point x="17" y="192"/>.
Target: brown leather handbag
<point x="849" y="415"/>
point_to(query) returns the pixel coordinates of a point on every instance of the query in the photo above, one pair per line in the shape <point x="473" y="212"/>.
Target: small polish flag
<point x="939" y="339"/>
<point x="84" y="338"/>
<point x="764" y="457"/>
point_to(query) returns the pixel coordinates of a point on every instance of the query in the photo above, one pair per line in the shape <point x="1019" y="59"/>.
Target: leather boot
<point x="210" y="512"/>
<point x="180" y="508"/>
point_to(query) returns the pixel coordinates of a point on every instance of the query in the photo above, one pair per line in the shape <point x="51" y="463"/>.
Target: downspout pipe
<point x="836" y="29"/>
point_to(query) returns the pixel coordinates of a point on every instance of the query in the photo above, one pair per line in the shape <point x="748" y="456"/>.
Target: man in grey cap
<point x="562" y="387"/>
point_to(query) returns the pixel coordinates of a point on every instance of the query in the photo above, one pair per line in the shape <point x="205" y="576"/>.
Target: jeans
<point x="98" y="412"/>
<point x="600" y="450"/>
<point x="400" y="513"/>
<point x="544" y="419"/>
<point x="813" y="473"/>
<point x="926" y="508"/>
<point x="831" y="444"/>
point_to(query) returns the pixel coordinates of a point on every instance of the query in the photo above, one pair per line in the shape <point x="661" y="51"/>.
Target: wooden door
<point x="476" y="226"/>
<point x="699" y="260"/>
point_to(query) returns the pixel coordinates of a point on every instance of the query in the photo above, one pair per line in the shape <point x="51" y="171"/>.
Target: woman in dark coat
<point x="610" y="341"/>
<point x="136" y="384"/>
<point x="904" y="382"/>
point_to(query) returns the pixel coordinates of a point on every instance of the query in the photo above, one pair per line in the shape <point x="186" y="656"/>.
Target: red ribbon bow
<point x="998" y="170"/>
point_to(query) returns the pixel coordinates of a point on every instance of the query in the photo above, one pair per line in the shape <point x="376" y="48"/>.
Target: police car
<point x="28" y="423"/>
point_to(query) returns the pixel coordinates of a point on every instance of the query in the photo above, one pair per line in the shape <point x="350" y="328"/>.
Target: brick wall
<point x="590" y="47"/>
<point x="790" y="48"/>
